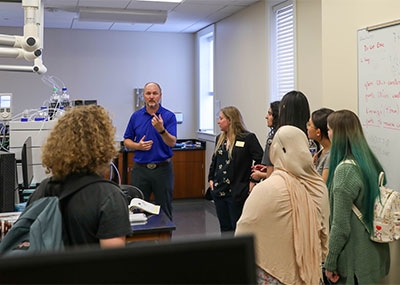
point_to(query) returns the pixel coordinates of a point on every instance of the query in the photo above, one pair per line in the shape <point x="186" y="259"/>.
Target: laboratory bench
<point x="189" y="167"/>
<point x="157" y="227"/>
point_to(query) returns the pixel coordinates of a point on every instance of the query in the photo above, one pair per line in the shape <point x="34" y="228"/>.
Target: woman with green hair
<point x="353" y="179"/>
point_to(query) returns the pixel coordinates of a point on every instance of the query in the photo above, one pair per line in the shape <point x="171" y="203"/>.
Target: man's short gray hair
<point x="155" y="83"/>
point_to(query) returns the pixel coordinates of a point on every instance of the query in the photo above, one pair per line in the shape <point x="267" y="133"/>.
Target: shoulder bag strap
<point x="356" y="211"/>
<point x="359" y="216"/>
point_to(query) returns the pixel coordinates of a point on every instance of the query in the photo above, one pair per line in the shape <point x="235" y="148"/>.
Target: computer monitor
<point x="210" y="261"/>
<point x="26" y="161"/>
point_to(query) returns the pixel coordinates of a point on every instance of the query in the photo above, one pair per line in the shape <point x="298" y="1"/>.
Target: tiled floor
<point x="194" y="218"/>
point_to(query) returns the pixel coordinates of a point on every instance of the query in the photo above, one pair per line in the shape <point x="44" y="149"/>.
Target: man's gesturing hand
<point x="144" y="145"/>
<point x="157" y="123"/>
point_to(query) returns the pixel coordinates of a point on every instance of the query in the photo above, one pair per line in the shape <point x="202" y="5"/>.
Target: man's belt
<point x="154" y="165"/>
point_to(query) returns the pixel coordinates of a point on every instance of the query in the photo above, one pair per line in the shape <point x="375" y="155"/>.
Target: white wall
<point x="309" y="51"/>
<point x="242" y="74"/>
<point x="107" y="66"/>
<point x="241" y="66"/>
<point x="340" y="21"/>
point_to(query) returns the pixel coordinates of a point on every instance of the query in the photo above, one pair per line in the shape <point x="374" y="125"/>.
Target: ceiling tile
<point x="223" y="13"/>
<point x="211" y="2"/>
<point x="217" y="16"/>
<point x="60" y="4"/>
<point x="197" y="26"/>
<point x="222" y="2"/>
<point x="189" y="16"/>
<point x="151" y="5"/>
<point x="176" y="17"/>
<point x="130" y="27"/>
<point x="91" y="25"/>
<point x="175" y="22"/>
<point x="245" y="2"/>
<point x="196" y="10"/>
<point x="59" y="19"/>
<point x="120" y="4"/>
<point x="168" y="28"/>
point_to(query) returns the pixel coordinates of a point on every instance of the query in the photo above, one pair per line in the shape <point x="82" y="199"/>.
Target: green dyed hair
<point x="348" y="141"/>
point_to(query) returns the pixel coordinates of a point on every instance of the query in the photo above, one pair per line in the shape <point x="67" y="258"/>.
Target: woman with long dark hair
<point x="294" y="110"/>
<point x="230" y="169"/>
<point x="317" y="130"/>
<point x="353" y="180"/>
<point x="264" y="170"/>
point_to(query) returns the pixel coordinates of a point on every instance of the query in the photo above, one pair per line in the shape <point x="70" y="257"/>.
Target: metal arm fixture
<point x="29" y="46"/>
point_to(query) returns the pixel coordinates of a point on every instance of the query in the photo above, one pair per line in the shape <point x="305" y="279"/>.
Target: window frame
<point x="275" y="96"/>
<point x="206" y="34"/>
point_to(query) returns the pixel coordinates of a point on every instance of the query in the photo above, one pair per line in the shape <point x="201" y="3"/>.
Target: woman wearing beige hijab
<point x="288" y="214"/>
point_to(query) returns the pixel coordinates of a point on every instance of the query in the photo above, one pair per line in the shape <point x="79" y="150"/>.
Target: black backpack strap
<point x="75" y="184"/>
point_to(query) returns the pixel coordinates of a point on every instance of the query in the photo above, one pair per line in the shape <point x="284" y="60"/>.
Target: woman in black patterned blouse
<point x="235" y="152"/>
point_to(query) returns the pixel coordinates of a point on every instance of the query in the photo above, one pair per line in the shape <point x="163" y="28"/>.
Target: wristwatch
<point x="162" y="132"/>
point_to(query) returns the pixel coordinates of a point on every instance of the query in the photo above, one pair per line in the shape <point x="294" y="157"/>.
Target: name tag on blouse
<point x="239" y="144"/>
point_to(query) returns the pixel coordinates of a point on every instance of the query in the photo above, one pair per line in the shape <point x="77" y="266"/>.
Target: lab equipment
<point x="54" y="103"/>
<point x="64" y="98"/>
<point x="29" y="46"/>
<point x="5" y="106"/>
<point x="38" y="131"/>
<point x="59" y="112"/>
<point x="90" y="102"/>
<point x="41" y="114"/>
<point x="77" y="102"/>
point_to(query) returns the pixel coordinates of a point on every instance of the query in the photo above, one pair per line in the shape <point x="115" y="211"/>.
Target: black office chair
<point x="131" y="192"/>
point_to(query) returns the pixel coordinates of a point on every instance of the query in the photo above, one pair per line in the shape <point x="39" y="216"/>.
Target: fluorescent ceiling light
<point x="122" y="15"/>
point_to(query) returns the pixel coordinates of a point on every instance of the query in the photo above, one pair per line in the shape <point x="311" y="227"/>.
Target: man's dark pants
<point x="159" y="181"/>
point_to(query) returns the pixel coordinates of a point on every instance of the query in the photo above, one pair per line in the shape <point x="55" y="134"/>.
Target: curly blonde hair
<point x="82" y="141"/>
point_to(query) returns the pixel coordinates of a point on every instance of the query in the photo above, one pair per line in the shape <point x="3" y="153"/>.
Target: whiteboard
<point x="379" y="96"/>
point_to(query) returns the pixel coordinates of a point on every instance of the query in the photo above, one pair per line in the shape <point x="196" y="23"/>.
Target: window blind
<point x="284" y="50"/>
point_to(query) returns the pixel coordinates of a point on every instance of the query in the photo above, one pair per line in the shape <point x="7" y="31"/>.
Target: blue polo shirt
<point x="140" y="125"/>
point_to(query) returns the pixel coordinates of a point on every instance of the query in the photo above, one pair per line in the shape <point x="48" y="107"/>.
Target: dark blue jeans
<point x="228" y="212"/>
<point x="159" y="181"/>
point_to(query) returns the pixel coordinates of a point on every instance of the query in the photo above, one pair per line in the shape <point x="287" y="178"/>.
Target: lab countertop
<point x="181" y="145"/>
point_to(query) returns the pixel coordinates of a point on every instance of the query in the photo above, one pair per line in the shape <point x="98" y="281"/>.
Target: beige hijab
<point x="289" y="213"/>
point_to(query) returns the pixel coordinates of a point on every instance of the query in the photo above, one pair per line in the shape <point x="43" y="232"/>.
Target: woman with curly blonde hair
<point x="79" y="148"/>
<point x="81" y="142"/>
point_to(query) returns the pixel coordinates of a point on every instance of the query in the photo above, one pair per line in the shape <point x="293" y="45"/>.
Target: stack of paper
<point x="138" y="218"/>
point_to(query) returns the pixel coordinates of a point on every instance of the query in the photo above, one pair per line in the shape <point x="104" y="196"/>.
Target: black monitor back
<point x="211" y="261"/>
<point x="26" y="161"/>
<point x="7" y="181"/>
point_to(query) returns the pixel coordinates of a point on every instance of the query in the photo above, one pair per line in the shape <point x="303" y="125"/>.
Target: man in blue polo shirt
<point x="151" y="133"/>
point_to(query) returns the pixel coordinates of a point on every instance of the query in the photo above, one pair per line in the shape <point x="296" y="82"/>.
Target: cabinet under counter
<point x="189" y="168"/>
